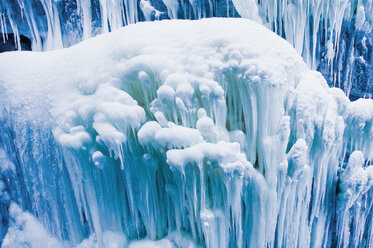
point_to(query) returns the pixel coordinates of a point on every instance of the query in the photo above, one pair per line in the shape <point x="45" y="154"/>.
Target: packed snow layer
<point x="209" y="133"/>
<point x="333" y="36"/>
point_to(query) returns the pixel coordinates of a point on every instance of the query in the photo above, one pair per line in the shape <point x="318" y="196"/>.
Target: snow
<point x="330" y="35"/>
<point x="172" y="136"/>
<point x="209" y="133"/>
<point x="110" y="240"/>
<point x="227" y="155"/>
<point x="164" y="243"/>
<point x="26" y="231"/>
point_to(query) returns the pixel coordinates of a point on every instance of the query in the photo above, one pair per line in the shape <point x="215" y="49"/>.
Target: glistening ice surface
<point x="210" y="133"/>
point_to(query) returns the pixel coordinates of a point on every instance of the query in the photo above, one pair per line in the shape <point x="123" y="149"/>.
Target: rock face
<point x="9" y="44"/>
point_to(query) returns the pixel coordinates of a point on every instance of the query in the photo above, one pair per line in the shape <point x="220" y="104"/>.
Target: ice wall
<point x="210" y="133"/>
<point x="333" y="36"/>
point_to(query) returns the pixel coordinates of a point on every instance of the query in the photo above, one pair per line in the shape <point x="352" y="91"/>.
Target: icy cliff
<point x="209" y="133"/>
<point x="333" y="36"/>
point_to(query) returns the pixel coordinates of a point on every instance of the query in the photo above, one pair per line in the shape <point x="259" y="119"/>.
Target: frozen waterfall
<point x="210" y="133"/>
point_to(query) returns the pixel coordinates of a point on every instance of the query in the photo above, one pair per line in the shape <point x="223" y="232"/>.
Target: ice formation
<point x="209" y="133"/>
<point x="333" y="36"/>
